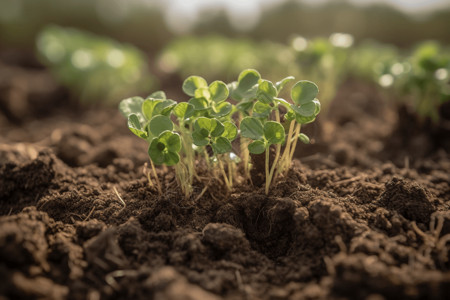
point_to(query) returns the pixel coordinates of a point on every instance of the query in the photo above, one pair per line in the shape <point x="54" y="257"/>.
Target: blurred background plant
<point x="94" y="68"/>
<point x="324" y="41"/>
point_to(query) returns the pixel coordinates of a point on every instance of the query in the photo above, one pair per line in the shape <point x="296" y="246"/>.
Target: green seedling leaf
<point x="199" y="103"/>
<point x="248" y="78"/>
<point x="305" y="110"/>
<point x="164" y="149"/>
<point x="303" y="138"/>
<point x="202" y="93"/>
<point x="266" y="92"/>
<point x="148" y="107"/>
<point x="200" y="137"/>
<point x="159" y="124"/>
<point x="192" y="83"/>
<point x="230" y="130"/>
<point x="219" y="91"/>
<point x="252" y="128"/>
<point x="183" y="110"/>
<point x="171" y="158"/>
<point x="159" y="95"/>
<point x="221" y="145"/>
<point x="247" y="85"/>
<point x="280" y="84"/>
<point x="156" y="151"/>
<point x="318" y="107"/>
<point x="223" y="109"/>
<point x="303" y="92"/>
<point x="282" y="102"/>
<point x="164" y="107"/>
<point x="132" y="105"/>
<point x="304" y="120"/>
<point x="257" y="147"/>
<point x="172" y="141"/>
<point x="135" y="126"/>
<point x="218" y="128"/>
<point x="261" y="110"/>
<point x="274" y="132"/>
<point x="244" y="107"/>
<point x="206" y="127"/>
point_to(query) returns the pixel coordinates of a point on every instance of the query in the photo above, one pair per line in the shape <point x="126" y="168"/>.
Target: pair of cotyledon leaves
<point x="208" y="98"/>
<point x="149" y="119"/>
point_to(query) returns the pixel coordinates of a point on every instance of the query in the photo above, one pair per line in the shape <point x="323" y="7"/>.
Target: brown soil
<point x="356" y="217"/>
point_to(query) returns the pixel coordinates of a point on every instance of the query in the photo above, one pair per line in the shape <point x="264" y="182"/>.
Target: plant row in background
<point x="98" y="69"/>
<point x="420" y="77"/>
<point x="223" y="126"/>
<point x="94" y="68"/>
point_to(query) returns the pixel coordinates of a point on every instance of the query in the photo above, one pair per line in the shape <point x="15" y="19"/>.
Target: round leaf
<point x="274" y="132"/>
<point x="160" y="95"/>
<point x="192" y="83"/>
<point x="203" y="123"/>
<point x="230" y="131"/>
<point x="261" y="110"/>
<point x="183" y="110"/>
<point x="199" y="138"/>
<point x="202" y="93"/>
<point x="304" y="120"/>
<point x="247" y="85"/>
<point x="171" y="158"/>
<point x="218" y="128"/>
<point x="304" y="91"/>
<point x="164" y="107"/>
<point x="266" y="92"/>
<point x="305" y="110"/>
<point x="221" y="145"/>
<point x="252" y="128"/>
<point x="130" y="106"/>
<point x="160" y="123"/>
<point x="257" y="147"/>
<point x="135" y="126"/>
<point x="148" y="107"/>
<point x="156" y="151"/>
<point x="219" y="91"/>
<point x="199" y="103"/>
<point x="248" y="78"/>
<point x="280" y="84"/>
<point x="222" y="109"/>
<point x="171" y="140"/>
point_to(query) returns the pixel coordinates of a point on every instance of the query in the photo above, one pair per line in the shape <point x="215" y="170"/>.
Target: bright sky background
<point x="245" y="14"/>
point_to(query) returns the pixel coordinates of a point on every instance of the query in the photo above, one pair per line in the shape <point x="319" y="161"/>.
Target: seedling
<point x="203" y="128"/>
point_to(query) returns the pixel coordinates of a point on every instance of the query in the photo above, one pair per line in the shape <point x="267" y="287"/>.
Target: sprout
<point x="179" y="134"/>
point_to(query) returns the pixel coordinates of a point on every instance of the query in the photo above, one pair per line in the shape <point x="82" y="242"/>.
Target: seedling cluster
<point x="94" y="68"/>
<point x="247" y="115"/>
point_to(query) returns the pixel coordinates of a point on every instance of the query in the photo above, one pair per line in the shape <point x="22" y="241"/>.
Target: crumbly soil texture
<point x="363" y="213"/>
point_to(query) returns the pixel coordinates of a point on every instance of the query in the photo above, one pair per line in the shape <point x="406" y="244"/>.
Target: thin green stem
<point x="158" y="183"/>
<point x="272" y="170"/>
<point x="284" y="162"/>
<point x="267" y="169"/>
<point x="224" y="174"/>
<point x="294" y="144"/>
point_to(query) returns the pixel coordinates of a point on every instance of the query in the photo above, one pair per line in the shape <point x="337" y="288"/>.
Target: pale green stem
<point x="158" y="183"/>
<point x="294" y="144"/>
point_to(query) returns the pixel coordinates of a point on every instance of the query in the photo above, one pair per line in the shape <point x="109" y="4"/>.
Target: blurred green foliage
<point x="421" y="77"/>
<point x="224" y="58"/>
<point x="94" y="68"/>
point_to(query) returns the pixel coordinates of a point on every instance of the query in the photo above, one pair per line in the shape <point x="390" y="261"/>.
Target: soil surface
<point x="363" y="214"/>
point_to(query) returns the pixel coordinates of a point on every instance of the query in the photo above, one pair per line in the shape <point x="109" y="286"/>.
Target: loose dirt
<point x="363" y="214"/>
